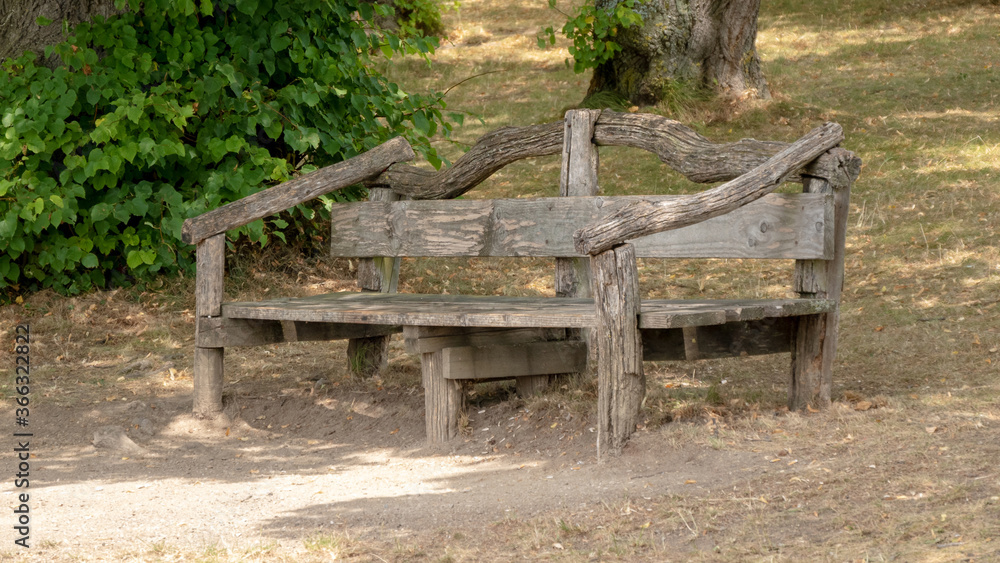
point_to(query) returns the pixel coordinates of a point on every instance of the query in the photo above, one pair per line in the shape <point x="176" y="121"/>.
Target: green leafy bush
<point x="420" y="17"/>
<point x="593" y="30"/>
<point x="177" y="107"/>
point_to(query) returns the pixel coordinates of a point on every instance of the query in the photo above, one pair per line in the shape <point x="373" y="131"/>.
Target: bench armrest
<point x="643" y="218"/>
<point x="304" y="188"/>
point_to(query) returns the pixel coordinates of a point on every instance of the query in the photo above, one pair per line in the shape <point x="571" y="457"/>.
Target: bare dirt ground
<point x="232" y="481"/>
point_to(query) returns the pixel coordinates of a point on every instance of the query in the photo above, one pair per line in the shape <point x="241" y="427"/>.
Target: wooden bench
<point x="595" y="241"/>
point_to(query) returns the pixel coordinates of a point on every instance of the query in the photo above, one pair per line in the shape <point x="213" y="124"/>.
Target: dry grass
<point x="903" y="467"/>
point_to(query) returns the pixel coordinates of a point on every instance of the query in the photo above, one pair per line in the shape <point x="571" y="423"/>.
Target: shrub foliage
<point x="176" y="107"/>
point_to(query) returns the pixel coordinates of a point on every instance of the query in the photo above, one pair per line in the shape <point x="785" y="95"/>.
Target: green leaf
<point x="134" y="114"/>
<point x="421" y="123"/>
<point x="248" y="7"/>
<point x="42" y="21"/>
<point x="234" y="144"/>
<point x="89" y="261"/>
<point x="134" y="259"/>
<point x="100" y="211"/>
<point x="56" y="200"/>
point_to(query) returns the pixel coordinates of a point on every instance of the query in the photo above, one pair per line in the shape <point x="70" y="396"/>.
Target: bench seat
<point x="408" y="309"/>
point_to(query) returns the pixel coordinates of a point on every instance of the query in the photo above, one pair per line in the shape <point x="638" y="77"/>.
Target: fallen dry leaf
<point x="863" y="406"/>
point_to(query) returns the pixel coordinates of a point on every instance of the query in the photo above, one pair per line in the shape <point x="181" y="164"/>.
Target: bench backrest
<point x="778" y="226"/>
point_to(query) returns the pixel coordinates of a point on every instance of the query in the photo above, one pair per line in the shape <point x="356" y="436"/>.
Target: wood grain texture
<point x="580" y="161"/>
<point x="369" y="356"/>
<point x="578" y="178"/>
<point x="681" y="148"/>
<point x="301" y="189"/>
<point x="208" y="362"/>
<point x="210" y="276"/>
<point x="419" y="340"/>
<point x="678" y="146"/>
<point x="815" y="345"/>
<point x="621" y="382"/>
<point x="495" y="362"/>
<point x="443" y="399"/>
<point x="730" y="340"/>
<point x="779" y="226"/>
<point x="511" y="312"/>
<point x="643" y="218"/>
<point x="222" y="332"/>
<point x="207" y="395"/>
<point x="491" y="152"/>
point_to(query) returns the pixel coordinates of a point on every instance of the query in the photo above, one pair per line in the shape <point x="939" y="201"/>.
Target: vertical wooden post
<point x="211" y="266"/>
<point x="367" y="357"/>
<point x="815" y="336"/>
<point x="578" y="178"/>
<point x="443" y="399"/>
<point x="621" y="383"/>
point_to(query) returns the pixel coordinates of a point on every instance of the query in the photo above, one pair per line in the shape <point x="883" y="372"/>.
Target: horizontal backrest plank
<point x="787" y="226"/>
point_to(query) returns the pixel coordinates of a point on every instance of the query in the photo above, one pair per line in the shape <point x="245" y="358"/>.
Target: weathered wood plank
<point x="219" y="332"/>
<point x="301" y="331"/>
<point x="208" y="362"/>
<point x="367" y="357"/>
<point x="644" y="218"/>
<point x="537" y="358"/>
<point x="417" y="340"/>
<point x="294" y="192"/>
<point x="667" y="313"/>
<point x="443" y="399"/>
<point x="426" y="310"/>
<point x="779" y="226"/>
<point x="621" y="382"/>
<point x="510" y="312"/>
<point x="736" y="339"/>
<point x="222" y="332"/>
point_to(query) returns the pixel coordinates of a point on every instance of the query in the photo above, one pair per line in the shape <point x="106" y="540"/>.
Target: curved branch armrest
<point x="643" y="218"/>
<point x="289" y="194"/>
<point x="681" y="148"/>
<point x="492" y="151"/>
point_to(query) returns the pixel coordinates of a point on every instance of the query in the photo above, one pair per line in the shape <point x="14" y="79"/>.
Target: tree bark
<point x="20" y="33"/>
<point x="683" y="43"/>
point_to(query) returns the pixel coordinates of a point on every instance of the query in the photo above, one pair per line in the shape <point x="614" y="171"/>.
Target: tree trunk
<point x="704" y="43"/>
<point x="20" y="33"/>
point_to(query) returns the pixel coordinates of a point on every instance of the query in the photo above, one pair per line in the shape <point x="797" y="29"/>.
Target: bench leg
<point x="208" y="381"/>
<point x="812" y="362"/>
<point x="368" y="356"/>
<point x="621" y="383"/>
<point x="531" y="385"/>
<point x="443" y="399"/>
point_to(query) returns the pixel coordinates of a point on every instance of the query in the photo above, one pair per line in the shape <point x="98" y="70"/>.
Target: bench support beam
<point x="621" y="382"/>
<point x="816" y="335"/>
<point x="443" y="399"/>
<point x="369" y="356"/>
<point x="580" y="164"/>
<point x="211" y="264"/>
